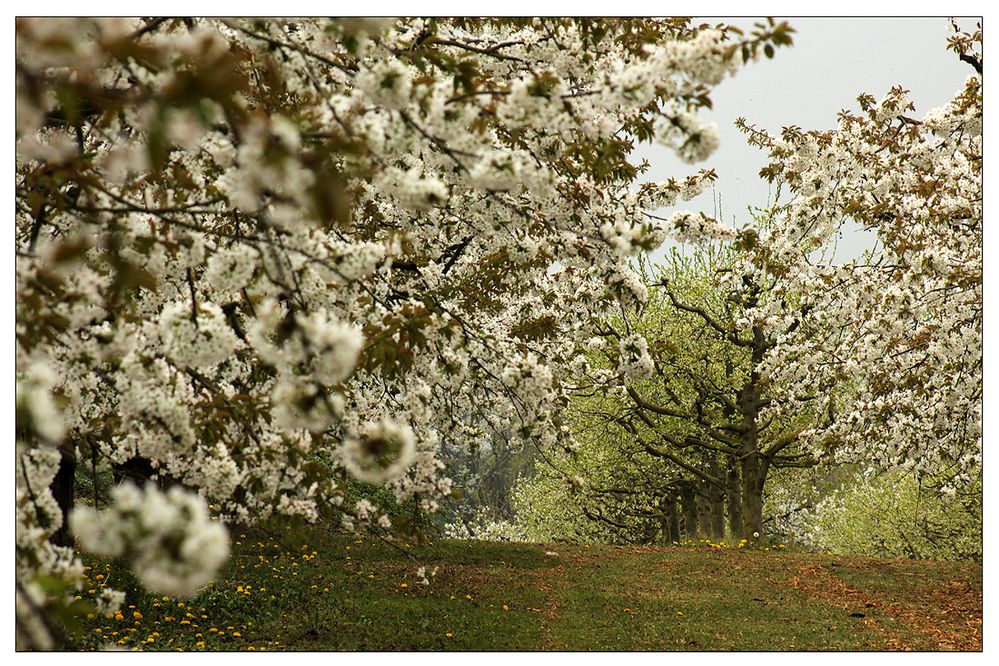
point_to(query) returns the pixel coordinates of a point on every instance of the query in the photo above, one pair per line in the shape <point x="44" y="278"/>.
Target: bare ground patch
<point x="947" y="617"/>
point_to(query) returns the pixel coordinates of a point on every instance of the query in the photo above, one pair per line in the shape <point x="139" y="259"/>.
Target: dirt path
<point x="924" y="616"/>
<point x="688" y="595"/>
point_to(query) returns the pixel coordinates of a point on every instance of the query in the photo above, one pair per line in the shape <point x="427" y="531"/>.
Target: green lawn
<point x="320" y="591"/>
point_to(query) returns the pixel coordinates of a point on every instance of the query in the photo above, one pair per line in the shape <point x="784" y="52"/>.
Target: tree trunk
<point x="752" y="498"/>
<point x="754" y="466"/>
<point x="138" y="470"/>
<point x="717" y="515"/>
<point x="703" y="512"/>
<point x="62" y="491"/>
<point x="716" y="503"/>
<point x="672" y="523"/>
<point x="689" y="508"/>
<point x="734" y="503"/>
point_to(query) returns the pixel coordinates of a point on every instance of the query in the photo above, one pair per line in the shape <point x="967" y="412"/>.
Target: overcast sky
<point x="831" y="62"/>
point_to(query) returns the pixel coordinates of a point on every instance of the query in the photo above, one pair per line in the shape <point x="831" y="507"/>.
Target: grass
<point x="321" y="591"/>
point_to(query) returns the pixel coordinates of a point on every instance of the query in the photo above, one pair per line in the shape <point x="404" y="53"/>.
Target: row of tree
<point x="684" y="451"/>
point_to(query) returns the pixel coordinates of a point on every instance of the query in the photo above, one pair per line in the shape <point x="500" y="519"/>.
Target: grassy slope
<point x="326" y="592"/>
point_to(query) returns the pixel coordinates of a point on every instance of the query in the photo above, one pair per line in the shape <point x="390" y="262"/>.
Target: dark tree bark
<point x="754" y="465"/>
<point x="734" y="502"/>
<point x="138" y="470"/>
<point x="688" y="505"/>
<point x="753" y="478"/>
<point x="62" y="491"/>
<point x="717" y="502"/>
<point x="671" y="529"/>
<point x="703" y="512"/>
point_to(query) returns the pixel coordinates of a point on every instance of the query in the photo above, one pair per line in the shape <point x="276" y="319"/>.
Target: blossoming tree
<point x="903" y="325"/>
<point x="254" y="257"/>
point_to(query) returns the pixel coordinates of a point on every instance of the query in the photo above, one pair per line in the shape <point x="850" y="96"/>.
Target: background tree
<point x="672" y="403"/>
<point x="485" y="477"/>
<point x="896" y="514"/>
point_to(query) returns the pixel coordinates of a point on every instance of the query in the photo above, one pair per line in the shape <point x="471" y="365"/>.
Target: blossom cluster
<point x="173" y="545"/>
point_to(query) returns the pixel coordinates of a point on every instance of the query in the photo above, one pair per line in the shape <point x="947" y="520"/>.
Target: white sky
<point x="831" y="62"/>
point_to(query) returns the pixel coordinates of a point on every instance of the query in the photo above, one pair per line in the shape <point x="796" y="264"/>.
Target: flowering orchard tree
<point x="255" y="257"/>
<point x="904" y="324"/>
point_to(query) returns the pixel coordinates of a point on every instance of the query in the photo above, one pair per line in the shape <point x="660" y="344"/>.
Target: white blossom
<point x="173" y="545"/>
